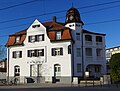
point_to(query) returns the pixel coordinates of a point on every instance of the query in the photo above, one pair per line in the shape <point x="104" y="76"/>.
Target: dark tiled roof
<point x="86" y="31"/>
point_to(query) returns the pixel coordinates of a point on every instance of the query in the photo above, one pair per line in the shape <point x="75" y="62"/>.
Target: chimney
<point x="54" y="18"/>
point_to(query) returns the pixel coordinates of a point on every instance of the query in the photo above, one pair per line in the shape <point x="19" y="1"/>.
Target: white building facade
<point x="56" y="52"/>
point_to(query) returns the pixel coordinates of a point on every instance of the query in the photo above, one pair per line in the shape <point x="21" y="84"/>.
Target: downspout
<point x="72" y="56"/>
<point x="8" y="65"/>
<point x="83" y="73"/>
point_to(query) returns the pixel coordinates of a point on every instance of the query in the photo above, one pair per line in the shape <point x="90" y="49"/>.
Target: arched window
<point x="16" y="70"/>
<point x="98" y="39"/>
<point x="57" y="70"/>
<point x="88" y="37"/>
<point x="69" y="49"/>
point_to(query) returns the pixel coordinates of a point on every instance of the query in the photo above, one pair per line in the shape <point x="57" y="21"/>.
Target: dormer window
<point x="17" y="39"/>
<point x="36" y="38"/>
<point x="35" y="26"/>
<point x="32" y="38"/>
<point x="58" y="35"/>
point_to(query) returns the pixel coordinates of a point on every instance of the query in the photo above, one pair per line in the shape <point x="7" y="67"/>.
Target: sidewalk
<point x="51" y="85"/>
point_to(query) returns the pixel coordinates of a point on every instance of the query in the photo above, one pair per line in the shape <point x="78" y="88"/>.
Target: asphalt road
<point x="61" y="89"/>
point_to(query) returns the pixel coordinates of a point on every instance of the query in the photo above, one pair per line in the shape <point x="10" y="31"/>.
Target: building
<point x="109" y="53"/>
<point x="56" y="52"/>
<point x="3" y="69"/>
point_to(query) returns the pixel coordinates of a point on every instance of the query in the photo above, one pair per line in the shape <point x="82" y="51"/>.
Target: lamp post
<point x="86" y="76"/>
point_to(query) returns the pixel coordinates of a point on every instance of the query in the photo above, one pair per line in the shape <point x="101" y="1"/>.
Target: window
<point x="57" y="51"/>
<point x="88" y="51"/>
<point x="36" y="38"/>
<point x="35" y="26"/>
<point x="98" y="39"/>
<point x="69" y="49"/>
<point x="108" y="54"/>
<point x="39" y="68"/>
<point x="17" y="39"/>
<point x="17" y="54"/>
<point x="78" y="67"/>
<point x="57" y="70"/>
<point x="78" y="52"/>
<point x="88" y="38"/>
<point x="36" y="53"/>
<point x="58" y="35"/>
<point x="32" y="70"/>
<point x="77" y="36"/>
<point x="17" y="70"/>
<point x="39" y="38"/>
<point x="31" y="39"/>
<point x="97" y="69"/>
<point x="99" y="52"/>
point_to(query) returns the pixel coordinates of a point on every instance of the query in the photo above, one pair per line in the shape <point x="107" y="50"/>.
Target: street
<point x="62" y="89"/>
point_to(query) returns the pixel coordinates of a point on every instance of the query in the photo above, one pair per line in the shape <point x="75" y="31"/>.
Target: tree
<point x="115" y="67"/>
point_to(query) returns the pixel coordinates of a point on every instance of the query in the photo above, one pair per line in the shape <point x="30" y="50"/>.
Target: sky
<point x="99" y="16"/>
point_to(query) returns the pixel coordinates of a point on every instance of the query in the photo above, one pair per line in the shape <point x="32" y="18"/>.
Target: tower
<point x="73" y="19"/>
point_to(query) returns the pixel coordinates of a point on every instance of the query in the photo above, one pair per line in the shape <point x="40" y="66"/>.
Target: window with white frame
<point x="77" y="36"/>
<point x="36" y="38"/>
<point x="57" y="70"/>
<point x="88" y="51"/>
<point x="32" y="70"/>
<point x="78" y="68"/>
<point x="57" y="51"/>
<point x="35" y="53"/>
<point x="78" y="50"/>
<point x="17" y="39"/>
<point x="17" y="54"/>
<point x="39" y="69"/>
<point x="16" y="70"/>
<point x="58" y="35"/>
<point x="31" y="38"/>
<point x="39" y="38"/>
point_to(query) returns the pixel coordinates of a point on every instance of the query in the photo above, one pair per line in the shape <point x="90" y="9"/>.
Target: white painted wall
<point x="49" y="61"/>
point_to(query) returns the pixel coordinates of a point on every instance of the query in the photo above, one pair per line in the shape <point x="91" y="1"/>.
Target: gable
<point x="51" y="29"/>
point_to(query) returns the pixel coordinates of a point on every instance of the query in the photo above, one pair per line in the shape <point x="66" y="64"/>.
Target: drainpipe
<point x="72" y="56"/>
<point x="83" y="73"/>
<point x="8" y="65"/>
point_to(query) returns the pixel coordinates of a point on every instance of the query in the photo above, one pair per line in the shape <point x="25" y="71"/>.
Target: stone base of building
<point x="41" y="79"/>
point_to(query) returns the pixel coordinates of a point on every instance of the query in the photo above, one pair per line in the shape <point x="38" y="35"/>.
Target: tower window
<point x="78" y="50"/>
<point x="77" y="36"/>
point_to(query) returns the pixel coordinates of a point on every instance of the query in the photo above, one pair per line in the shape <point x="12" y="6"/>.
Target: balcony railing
<point x="88" y="42"/>
<point x="99" y="44"/>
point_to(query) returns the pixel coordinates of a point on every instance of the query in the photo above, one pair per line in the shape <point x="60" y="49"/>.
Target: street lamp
<point x="86" y="76"/>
